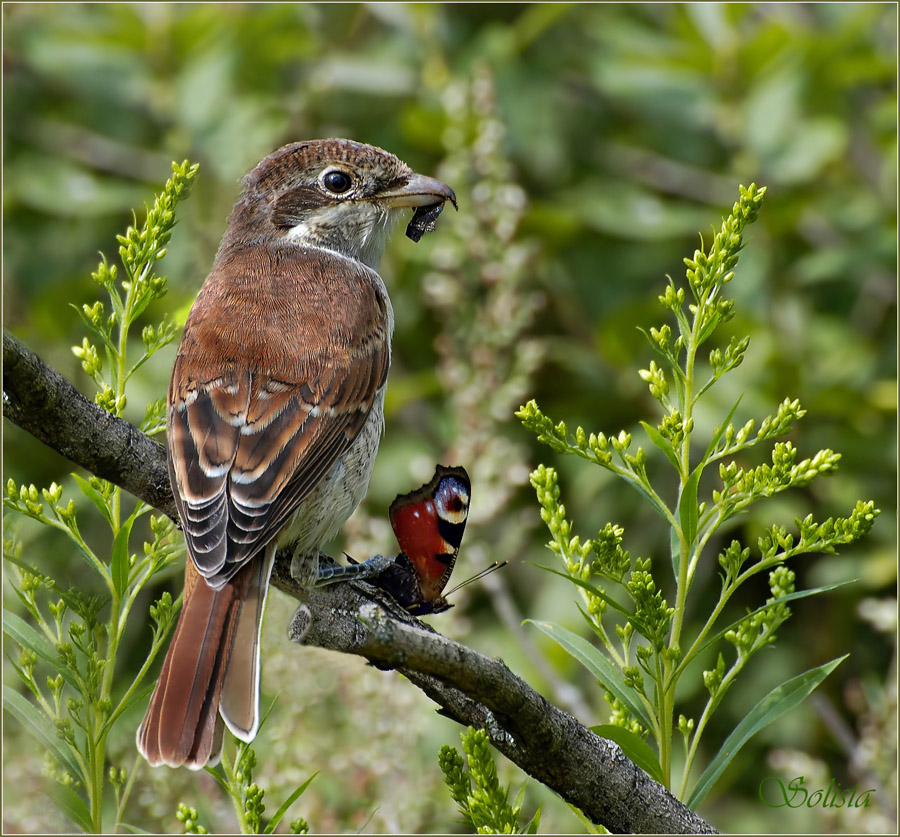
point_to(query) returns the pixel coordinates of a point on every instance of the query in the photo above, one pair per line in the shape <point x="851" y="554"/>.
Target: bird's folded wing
<point x="257" y="421"/>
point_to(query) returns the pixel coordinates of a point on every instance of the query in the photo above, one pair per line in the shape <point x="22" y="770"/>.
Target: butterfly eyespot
<point x="429" y="524"/>
<point x="337" y="181"/>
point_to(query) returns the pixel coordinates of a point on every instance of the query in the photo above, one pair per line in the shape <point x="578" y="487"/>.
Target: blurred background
<point x="589" y="145"/>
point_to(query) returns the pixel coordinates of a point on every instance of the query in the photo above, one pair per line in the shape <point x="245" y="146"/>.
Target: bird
<point x="274" y="417"/>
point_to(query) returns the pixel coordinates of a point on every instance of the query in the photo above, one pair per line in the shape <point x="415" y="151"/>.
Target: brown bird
<point x="275" y="412"/>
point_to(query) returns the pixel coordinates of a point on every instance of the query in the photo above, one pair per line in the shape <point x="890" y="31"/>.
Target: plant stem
<point x="711" y="704"/>
<point x="233" y="788"/>
<point x="669" y="680"/>
<point x="126" y="792"/>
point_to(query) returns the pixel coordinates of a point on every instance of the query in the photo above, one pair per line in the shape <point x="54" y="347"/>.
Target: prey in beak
<point x="428" y="196"/>
<point x="424" y="220"/>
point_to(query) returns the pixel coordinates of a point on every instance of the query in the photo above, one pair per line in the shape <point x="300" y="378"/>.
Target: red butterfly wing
<point x="429" y="524"/>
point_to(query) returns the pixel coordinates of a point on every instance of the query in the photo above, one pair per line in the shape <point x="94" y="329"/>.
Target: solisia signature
<point x="774" y="793"/>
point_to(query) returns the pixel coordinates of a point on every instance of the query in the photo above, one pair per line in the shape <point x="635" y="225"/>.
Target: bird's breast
<point x="286" y="309"/>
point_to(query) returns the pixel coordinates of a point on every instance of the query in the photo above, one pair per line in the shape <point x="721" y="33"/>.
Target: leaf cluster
<point x="235" y="777"/>
<point x="74" y="635"/>
<point x="475" y="787"/>
<point x="140" y="250"/>
<point x="641" y="664"/>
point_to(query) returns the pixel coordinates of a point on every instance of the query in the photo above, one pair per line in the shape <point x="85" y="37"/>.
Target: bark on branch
<point x="589" y="772"/>
<point x="41" y="401"/>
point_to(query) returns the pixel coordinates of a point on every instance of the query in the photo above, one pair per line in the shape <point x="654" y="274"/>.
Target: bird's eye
<point x="337" y="181"/>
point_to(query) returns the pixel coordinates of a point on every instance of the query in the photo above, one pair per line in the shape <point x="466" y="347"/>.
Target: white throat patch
<point x="357" y="229"/>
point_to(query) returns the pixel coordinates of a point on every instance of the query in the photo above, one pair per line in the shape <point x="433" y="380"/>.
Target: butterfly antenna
<point x="486" y="571"/>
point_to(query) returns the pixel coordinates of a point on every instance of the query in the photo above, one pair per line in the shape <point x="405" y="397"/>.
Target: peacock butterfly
<point x="429" y="524"/>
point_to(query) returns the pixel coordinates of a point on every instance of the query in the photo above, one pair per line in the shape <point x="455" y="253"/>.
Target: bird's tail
<point x="212" y="665"/>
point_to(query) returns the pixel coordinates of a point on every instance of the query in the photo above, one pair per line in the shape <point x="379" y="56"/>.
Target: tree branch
<point x="41" y="401"/>
<point x="587" y="771"/>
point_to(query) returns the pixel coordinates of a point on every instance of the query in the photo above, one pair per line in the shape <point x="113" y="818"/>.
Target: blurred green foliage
<point x="588" y="144"/>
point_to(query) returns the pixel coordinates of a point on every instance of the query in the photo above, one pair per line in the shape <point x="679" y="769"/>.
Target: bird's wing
<point x="278" y="370"/>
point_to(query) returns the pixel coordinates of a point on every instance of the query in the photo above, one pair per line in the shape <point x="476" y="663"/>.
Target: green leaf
<point x="298" y="792"/>
<point x="780" y="700"/>
<point x="28" y="637"/>
<point x="534" y="823"/>
<point x="218" y="774"/>
<point x="115" y="297"/>
<point x="72" y="601"/>
<point x="93" y="561"/>
<point x="133" y="829"/>
<point x="636" y="484"/>
<point x="140" y="304"/>
<point x="687" y="506"/>
<point x="94" y="496"/>
<point x="39" y="725"/>
<point x="102" y="337"/>
<point x="365" y="825"/>
<point x="120" y="568"/>
<point x="72" y="805"/>
<point x="596" y="591"/>
<point x="668" y="361"/>
<point x="598" y="665"/>
<point x="141" y="361"/>
<point x="31" y="569"/>
<point x="705" y="333"/>
<point x="663" y="444"/>
<point x="76" y="602"/>
<point x="638" y="750"/>
<point x="675" y="550"/>
<point x="799" y="594"/>
<point x="137" y="696"/>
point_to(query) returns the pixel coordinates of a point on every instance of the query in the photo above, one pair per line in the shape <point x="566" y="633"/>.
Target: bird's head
<point x="332" y="193"/>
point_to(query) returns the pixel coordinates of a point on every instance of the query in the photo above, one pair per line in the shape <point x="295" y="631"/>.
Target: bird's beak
<point x="418" y="191"/>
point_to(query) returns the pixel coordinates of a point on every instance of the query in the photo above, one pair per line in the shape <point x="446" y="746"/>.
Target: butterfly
<point x="429" y="524"/>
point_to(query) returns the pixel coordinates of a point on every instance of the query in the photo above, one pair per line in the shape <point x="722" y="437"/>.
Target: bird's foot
<point x="305" y="568"/>
<point x="330" y="572"/>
